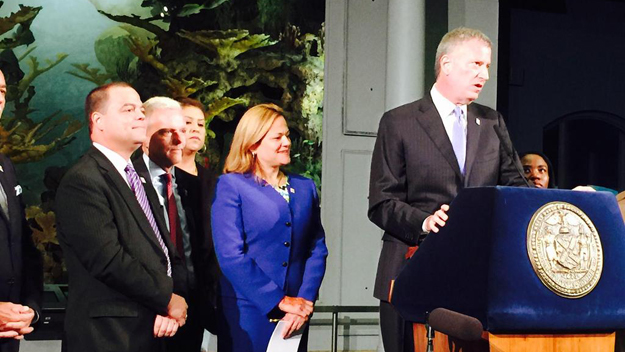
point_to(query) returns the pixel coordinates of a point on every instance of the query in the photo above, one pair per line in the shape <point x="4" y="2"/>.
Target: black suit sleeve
<point x="32" y="263"/>
<point x="32" y="271"/>
<point x="388" y="207"/>
<point x="88" y="228"/>
<point x="508" y="172"/>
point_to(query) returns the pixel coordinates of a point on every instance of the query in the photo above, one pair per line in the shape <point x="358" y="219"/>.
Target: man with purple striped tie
<point x="126" y="281"/>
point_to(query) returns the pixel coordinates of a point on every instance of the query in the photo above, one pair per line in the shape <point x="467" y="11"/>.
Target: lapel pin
<point x="477" y="121"/>
<point x="18" y="190"/>
<point x="292" y="190"/>
<point x="142" y="179"/>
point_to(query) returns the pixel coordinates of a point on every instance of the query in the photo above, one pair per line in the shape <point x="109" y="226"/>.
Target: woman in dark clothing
<point x="196" y="185"/>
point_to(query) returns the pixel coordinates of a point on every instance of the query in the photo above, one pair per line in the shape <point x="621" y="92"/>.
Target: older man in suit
<point x="155" y="161"/>
<point x="21" y="274"/>
<point x="125" y="279"/>
<point x="425" y="153"/>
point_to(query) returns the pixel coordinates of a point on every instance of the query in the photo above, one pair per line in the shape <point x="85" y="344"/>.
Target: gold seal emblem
<point x="565" y="249"/>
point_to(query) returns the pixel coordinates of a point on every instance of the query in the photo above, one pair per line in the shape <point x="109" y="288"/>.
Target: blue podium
<point x="479" y="263"/>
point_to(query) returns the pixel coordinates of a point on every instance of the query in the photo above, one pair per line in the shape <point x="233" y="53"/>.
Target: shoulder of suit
<point x="301" y="182"/>
<point x="82" y="168"/>
<point x="408" y="109"/>
<point x="234" y="177"/>
<point x="297" y="178"/>
<point x="5" y="161"/>
<point x="483" y="111"/>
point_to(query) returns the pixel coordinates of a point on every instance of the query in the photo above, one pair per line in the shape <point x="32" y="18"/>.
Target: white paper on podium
<point x="278" y="344"/>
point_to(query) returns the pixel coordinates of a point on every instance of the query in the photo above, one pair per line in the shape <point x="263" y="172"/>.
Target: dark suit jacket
<point x="21" y="272"/>
<point x="196" y="194"/>
<point x="117" y="270"/>
<point x="414" y="171"/>
<point x="196" y="204"/>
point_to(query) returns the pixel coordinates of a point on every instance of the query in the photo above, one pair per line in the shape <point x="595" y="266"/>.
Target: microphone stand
<point x="429" y="334"/>
<point x="511" y="153"/>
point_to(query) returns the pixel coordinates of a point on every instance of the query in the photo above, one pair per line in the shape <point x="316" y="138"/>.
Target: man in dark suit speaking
<point x="21" y="272"/>
<point x="425" y="153"/>
<point x="123" y="269"/>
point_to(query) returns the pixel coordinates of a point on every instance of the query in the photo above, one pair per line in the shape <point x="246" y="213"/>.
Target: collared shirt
<point x="156" y="173"/>
<point x="117" y="160"/>
<point x="445" y="109"/>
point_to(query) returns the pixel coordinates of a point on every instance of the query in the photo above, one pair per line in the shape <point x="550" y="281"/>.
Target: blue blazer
<point x="268" y="248"/>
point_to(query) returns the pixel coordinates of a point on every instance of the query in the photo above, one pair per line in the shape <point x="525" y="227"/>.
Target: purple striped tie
<point x="137" y="187"/>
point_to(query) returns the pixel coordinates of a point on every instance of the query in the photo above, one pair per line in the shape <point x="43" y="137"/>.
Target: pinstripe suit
<point x="414" y="171"/>
<point x="117" y="269"/>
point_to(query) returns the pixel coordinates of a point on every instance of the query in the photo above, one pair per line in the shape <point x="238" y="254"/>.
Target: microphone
<point x="507" y="146"/>
<point x="455" y="324"/>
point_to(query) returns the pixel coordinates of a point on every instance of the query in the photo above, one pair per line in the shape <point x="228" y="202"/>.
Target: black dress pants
<point x="189" y="337"/>
<point x="397" y="334"/>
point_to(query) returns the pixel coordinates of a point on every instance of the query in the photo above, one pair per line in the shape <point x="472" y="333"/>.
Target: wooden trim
<point x="552" y="343"/>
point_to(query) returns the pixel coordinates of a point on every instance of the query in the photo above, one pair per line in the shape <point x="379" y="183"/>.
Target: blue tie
<point x="459" y="138"/>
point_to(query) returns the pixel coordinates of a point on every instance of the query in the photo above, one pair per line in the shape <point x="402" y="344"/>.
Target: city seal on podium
<point x="565" y="249"/>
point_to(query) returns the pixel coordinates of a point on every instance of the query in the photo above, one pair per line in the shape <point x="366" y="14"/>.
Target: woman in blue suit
<point x="268" y="236"/>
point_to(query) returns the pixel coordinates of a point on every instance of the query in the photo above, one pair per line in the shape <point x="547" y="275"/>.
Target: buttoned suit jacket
<point x="21" y="272"/>
<point x="414" y="171"/>
<point x="117" y="270"/>
<point x="268" y="248"/>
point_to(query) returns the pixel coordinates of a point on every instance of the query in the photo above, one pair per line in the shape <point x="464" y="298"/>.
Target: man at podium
<point x="425" y="153"/>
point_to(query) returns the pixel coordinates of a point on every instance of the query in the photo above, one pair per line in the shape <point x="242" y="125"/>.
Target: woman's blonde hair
<point x="253" y="126"/>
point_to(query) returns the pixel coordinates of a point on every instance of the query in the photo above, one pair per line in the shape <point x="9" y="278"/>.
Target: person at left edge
<point x="21" y="272"/>
<point x="125" y="281"/>
<point x="268" y="236"/>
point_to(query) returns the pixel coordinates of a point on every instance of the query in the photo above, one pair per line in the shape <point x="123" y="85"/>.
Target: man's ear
<point x="446" y="64"/>
<point x="96" y="120"/>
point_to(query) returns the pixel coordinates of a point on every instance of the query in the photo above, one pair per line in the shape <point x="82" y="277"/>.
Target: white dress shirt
<point x="117" y="160"/>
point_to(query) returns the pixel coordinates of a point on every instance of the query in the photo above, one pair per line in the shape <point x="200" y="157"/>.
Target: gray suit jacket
<point x="117" y="270"/>
<point x="414" y="171"/>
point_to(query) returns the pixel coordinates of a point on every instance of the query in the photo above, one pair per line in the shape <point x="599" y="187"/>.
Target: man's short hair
<point x="185" y="101"/>
<point x="96" y="99"/>
<point x="156" y="103"/>
<point x="455" y="37"/>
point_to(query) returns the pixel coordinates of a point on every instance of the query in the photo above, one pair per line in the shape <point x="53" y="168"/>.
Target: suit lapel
<point x="293" y="187"/>
<point x="473" y="138"/>
<point x="272" y="194"/>
<point x="432" y="124"/>
<point x="110" y="173"/>
<point x="150" y="191"/>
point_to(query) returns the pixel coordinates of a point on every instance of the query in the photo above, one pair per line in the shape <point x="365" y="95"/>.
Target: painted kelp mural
<point x="229" y="54"/>
<point x="22" y="138"/>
